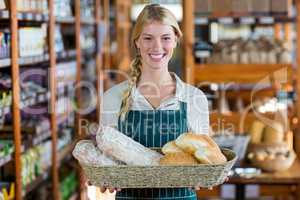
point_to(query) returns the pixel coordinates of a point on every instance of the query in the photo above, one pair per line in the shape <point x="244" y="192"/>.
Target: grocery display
<point x="243" y="54"/>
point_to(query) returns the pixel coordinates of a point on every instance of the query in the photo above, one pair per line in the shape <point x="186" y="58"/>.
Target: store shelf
<point x="33" y="59"/>
<point x="5" y="159"/>
<point x="5" y="62"/>
<point x="26" y="16"/>
<point x="87" y="21"/>
<point x="68" y="54"/>
<point x="65" y="20"/>
<point x="240" y="73"/>
<point x="242" y="19"/>
<point x="234" y="119"/>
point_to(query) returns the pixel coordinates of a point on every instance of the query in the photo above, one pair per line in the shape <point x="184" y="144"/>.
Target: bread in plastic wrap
<point x="87" y="153"/>
<point x="121" y="147"/>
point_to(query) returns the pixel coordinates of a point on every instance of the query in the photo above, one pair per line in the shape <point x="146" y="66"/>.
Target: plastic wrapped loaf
<point x="87" y="153"/>
<point x="121" y="147"/>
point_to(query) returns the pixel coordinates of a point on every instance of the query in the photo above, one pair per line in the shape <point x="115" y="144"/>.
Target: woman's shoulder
<point x="112" y="98"/>
<point x="116" y="90"/>
<point x="192" y="91"/>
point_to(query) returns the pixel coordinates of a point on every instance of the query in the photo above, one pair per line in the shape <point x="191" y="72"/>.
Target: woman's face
<point x="156" y="44"/>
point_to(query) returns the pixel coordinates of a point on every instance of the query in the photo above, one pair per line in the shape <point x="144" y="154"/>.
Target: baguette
<point x="123" y="148"/>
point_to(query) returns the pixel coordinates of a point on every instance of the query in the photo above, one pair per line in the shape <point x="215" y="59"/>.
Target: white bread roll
<point x="171" y="147"/>
<point x="179" y="158"/>
<point x="123" y="148"/>
<point x="209" y="156"/>
<point x="87" y="153"/>
<point x="190" y="142"/>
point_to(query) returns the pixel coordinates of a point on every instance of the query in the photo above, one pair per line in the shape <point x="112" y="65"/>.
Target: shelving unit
<point x="244" y="74"/>
<point x="239" y="73"/>
<point x="50" y="59"/>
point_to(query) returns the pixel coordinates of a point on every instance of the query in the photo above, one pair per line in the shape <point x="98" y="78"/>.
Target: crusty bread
<point x="180" y="158"/>
<point x="171" y="147"/>
<point x="121" y="147"/>
<point x="190" y="142"/>
<point x="209" y="156"/>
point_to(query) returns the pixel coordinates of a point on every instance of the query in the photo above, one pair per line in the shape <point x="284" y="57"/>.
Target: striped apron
<point x="154" y="128"/>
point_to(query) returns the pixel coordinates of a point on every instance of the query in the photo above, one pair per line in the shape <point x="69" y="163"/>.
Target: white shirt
<point x="197" y="105"/>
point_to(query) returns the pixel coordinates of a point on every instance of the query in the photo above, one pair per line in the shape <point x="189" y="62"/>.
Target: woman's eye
<point x="147" y="38"/>
<point x="167" y="38"/>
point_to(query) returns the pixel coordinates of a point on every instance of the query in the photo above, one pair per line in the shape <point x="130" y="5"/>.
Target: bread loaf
<point x="273" y="134"/>
<point x="190" y="142"/>
<point x="256" y="131"/>
<point x="179" y="158"/>
<point x="87" y="153"/>
<point x="209" y="156"/>
<point x="123" y="148"/>
<point x="171" y="147"/>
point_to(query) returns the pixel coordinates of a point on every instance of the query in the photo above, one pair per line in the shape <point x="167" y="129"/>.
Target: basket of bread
<point x="118" y="161"/>
<point x="270" y="147"/>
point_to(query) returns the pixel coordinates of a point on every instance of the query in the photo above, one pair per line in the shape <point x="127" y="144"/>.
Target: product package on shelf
<point x="5" y="44"/>
<point x="32" y="41"/>
<point x="62" y="8"/>
<point x="40" y="6"/>
<point x="239" y="51"/>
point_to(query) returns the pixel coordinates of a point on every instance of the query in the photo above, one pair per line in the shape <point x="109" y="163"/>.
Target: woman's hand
<point x="103" y="189"/>
<point x="110" y="189"/>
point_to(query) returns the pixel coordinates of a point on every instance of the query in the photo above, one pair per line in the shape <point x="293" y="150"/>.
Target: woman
<point x="154" y="106"/>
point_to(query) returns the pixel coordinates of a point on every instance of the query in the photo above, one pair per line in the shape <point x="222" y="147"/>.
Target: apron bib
<point x="154" y="128"/>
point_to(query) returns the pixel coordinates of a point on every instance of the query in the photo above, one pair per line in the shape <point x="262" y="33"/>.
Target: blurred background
<point x="57" y="57"/>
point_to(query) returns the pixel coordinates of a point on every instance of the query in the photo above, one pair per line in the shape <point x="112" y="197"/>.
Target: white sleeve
<point x="110" y="106"/>
<point x="198" y="113"/>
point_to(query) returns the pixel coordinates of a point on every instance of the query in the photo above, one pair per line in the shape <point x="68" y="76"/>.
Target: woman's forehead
<point x="157" y="28"/>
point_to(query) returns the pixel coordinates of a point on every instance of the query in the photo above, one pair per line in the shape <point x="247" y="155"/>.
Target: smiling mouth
<point x="157" y="56"/>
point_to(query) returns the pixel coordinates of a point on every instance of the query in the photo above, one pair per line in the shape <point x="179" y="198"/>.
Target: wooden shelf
<point x="240" y="73"/>
<point x="243" y="19"/>
<point x="234" y="119"/>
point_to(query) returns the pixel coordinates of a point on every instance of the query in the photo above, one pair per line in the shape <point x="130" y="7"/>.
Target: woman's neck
<point x="157" y="77"/>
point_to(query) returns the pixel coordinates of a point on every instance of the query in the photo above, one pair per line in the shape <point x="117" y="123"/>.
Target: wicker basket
<point x="123" y="176"/>
<point x="276" y="164"/>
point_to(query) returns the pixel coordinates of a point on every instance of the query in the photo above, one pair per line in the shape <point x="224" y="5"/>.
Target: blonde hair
<point x="152" y="12"/>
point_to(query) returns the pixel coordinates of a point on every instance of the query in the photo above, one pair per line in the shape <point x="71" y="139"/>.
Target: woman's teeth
<point x="157" y="56"/>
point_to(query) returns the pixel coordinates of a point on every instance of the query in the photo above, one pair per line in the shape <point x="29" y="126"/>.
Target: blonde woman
<point x="155" y="106"/>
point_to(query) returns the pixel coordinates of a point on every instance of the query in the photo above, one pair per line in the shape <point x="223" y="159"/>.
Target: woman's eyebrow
<point x="147" y="34"/>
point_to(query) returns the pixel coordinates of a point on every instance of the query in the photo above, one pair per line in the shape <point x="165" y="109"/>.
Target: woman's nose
<point x="157" y="44"/>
